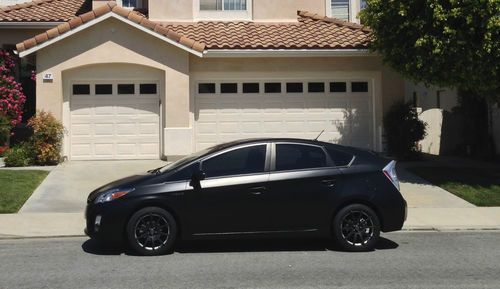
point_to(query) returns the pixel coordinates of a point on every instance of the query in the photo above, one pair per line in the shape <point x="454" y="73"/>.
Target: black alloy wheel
<point x="356" y="228"/>
<point x="151" y="231"/>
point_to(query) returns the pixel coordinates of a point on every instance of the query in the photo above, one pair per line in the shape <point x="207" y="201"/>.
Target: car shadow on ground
<point x="236" y="246"/>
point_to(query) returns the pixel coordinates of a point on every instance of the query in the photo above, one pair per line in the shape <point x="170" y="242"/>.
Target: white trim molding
<point x="220" y="53"/>
<point x="28" y="25"/>
<point x="100" y="19"/>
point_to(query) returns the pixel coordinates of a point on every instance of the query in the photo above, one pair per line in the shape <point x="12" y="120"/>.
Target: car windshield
<point x="184" y="160"/>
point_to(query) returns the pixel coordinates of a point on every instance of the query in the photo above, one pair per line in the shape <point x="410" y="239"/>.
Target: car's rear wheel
<point x="356" y="228"/>
<point x="151" y="231"/>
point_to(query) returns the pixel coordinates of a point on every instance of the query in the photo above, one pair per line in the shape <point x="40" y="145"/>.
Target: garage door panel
<point x="104" y="129"/>
<point x="104" y="149"/>
<point x="114" y="127"/>
<point x="346" y="117"/>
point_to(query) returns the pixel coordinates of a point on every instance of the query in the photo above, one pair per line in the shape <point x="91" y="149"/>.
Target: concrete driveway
<point x="66" y="188"/>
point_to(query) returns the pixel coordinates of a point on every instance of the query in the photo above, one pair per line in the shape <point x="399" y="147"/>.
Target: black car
<point x="259" y="187"/>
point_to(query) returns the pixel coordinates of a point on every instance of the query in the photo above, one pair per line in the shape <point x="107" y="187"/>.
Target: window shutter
<point x="340" y="9"/>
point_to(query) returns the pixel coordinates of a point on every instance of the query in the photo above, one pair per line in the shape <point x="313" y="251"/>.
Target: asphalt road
<point x="402" y="260"/>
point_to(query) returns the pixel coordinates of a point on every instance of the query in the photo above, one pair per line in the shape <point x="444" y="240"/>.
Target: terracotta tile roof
<point x="100" y="11"/>
<point x="45" y="11"/>
<point x="312" y="31"/>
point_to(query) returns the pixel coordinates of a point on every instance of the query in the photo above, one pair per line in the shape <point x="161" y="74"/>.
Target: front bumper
<point x="106" y="222"/>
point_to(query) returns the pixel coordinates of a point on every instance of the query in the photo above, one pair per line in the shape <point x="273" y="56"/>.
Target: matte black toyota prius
<point x="258" y="187"/>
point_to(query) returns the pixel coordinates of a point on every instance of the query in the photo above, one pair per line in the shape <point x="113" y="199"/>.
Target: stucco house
<point x="139" y="79"/>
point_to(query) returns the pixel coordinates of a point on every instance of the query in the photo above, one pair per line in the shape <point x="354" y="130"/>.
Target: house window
<point x="229" y="88"/>
<point x="294" y="87"/>
<point x="81" y="89"/>
<point x="338" y="87"/>
<point x="251" y="87"/>
<point x="361" y="86"/>
<point x="206" y="88"/>
<point x="272" y="87"/>
<point x="103" y="89"/>
<point x="340" y="9"/>
<point x="130" y="3"/>
<point x="223" y="5"/>
<point x="126" y="89"/>
<point x="148" y="88"/>
<point x="362" y="4"/>
<point x="316" y="87"/>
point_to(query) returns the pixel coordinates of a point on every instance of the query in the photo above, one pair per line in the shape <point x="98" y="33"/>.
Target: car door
<point x="226" y="201"/>
<point x="301" y="183"/>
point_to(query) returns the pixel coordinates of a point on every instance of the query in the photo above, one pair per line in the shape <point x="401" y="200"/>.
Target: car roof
<point x="260" y="140"/>
<point x="342" y="148"/>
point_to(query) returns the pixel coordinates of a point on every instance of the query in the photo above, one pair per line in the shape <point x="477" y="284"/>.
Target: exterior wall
<point x="431" y="144"/>
<point x="260" y="10"/>
<point x="12" y="36"/>
<point x="285" y="10"/>
<point x="11" y="2"/>
<point x="433" y="110"/>
<point x="171" y="10"/>
<point x="113" y="43"/>
<point x="389" y="87"/>
<point x="427" y="96"/>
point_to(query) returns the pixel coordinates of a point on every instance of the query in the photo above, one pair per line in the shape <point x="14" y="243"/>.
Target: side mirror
<point x="198" y="176"/>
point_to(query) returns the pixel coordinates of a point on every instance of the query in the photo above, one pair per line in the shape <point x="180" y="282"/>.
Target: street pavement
<point x="401" y="260"/>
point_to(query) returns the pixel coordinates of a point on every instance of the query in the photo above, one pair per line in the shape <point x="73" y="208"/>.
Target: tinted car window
<point x="339" y="158"/>
<point x="184" y="173"/>
<point x="246" y="160"/>
<point x="296" y="157"/>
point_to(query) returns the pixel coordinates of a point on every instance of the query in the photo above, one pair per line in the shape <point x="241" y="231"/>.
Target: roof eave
<point x="27" y="25"/>
<point x="228" y="53"/>
<point x="100" y="19"/>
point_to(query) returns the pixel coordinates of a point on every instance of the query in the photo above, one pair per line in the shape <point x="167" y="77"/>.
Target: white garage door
<point x="232" y="110"/>
<point x="117" y="120"/>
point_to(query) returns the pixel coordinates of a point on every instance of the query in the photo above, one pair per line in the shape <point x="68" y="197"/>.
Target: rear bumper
<point x="393" y="217"/>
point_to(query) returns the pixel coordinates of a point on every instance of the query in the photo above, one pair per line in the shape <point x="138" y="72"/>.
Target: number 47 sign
<point x="48" y="77"/>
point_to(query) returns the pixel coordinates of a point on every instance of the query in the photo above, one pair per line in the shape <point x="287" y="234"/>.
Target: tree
<point x="449" y="43"/>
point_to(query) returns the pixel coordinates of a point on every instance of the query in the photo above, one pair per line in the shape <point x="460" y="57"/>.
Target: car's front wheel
<point x="151" y="231"/>
<point x="356" y="228"/>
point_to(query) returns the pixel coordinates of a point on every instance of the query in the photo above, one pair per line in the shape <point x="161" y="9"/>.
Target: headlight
<point x="112" y="194"/>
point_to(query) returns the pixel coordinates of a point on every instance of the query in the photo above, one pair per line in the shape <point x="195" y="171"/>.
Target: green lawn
<point x="480" y="187"/>
<point x="16" y="187"/>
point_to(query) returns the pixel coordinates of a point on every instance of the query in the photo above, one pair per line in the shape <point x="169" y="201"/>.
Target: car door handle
<point x="257" y="190"/>
<point x="328" y="182"/>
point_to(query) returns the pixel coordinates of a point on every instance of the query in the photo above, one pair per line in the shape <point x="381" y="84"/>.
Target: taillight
<point x="390" y="173"/>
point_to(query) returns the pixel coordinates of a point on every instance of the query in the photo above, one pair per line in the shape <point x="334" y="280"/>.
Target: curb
<point x="403" y="231"/>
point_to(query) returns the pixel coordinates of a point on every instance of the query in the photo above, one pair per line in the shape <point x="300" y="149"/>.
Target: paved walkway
<point x="66" y="188"/>
<point x="419" y="193"/>
<point x="56" y="207"/>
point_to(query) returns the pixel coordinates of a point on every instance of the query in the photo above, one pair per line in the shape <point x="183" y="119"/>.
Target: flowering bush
<point x="12" y="98"/>
<point x="47" y="138"/>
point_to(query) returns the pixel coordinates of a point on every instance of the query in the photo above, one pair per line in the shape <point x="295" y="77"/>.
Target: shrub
<point x="403" y="130"/>
<point x="47" y="138"/>
<point x="12" y="97"/>
<point x="19" y="156"/>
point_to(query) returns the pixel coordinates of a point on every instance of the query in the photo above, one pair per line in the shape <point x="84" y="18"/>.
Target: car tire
<point x="356" y="228"/>
<point x="151" y="231"/>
